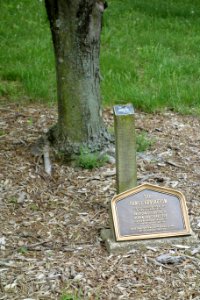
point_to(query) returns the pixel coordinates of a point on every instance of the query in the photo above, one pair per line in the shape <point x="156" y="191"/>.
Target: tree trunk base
<point x="68" y="151"/>
<point x="71" y="149"/>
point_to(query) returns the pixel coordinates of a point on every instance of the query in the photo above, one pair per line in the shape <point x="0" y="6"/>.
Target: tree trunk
<point x="76" y="28"/>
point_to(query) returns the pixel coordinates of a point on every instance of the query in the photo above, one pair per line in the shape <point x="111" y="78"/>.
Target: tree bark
<point x="76" y="28"/>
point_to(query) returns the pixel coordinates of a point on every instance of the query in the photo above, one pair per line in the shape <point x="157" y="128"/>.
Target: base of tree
<point x="61" y="144"/>
<point x="69" y="149"/>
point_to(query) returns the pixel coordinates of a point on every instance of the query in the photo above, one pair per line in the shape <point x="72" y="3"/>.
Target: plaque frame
<point x="164" y="190"/>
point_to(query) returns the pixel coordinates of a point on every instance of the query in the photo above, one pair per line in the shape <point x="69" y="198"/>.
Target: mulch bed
<point x="50" y="226"/>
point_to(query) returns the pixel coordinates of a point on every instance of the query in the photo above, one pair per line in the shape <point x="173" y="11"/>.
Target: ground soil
<point x="50" y="243"/>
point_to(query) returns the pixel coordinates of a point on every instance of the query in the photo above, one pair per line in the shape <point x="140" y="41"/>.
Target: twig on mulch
<point x="47" y="162"/>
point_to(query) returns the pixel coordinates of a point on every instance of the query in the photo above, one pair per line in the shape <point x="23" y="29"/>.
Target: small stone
<point x="21" y="198"/>
<point x="40" y="276"/>
<point x="170" y="259"/>
<point x="20" y="243"/>
<point x="174" y="183"/>
<point x="78" y="277"/>
<point x="195" y="251"/>
<point x="111" y="159"/>
<point x="2" y="243"/>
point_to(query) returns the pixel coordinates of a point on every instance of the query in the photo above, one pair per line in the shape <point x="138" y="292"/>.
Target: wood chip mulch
<point x="50" y="243"/>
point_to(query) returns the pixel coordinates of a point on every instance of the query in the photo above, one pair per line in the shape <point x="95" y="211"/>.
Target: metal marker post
<point x="125" y="147"/>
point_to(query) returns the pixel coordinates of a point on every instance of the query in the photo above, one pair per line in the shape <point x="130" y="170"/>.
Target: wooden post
<point x="125" y="147"/>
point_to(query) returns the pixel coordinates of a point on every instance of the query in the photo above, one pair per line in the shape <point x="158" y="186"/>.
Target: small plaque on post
<point x="148" y="212"/>
<point x="124" y="109"/>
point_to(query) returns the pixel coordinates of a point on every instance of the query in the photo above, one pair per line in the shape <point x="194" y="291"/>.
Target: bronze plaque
<point x="149" y="211"/>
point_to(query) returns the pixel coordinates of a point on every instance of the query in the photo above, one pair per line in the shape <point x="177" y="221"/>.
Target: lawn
<point x="149" y="54"/>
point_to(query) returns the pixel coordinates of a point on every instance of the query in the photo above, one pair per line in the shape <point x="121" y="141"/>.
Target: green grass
<point x="88" y="160"/>
<point x="150" y="53"/>
<point x="26" y="54"/>
<point x="143" y="142"/>
<point x="69" y="297"/>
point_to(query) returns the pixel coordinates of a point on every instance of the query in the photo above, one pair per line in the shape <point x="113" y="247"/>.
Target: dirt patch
<point x="50" y="226"/>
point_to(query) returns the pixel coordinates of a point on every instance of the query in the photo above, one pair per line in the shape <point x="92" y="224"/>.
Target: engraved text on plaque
<point x="149" y="211"/>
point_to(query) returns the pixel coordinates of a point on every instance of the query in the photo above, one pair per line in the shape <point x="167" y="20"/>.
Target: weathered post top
<point x="125" y="147"/>
<point x="123" y="109"/>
